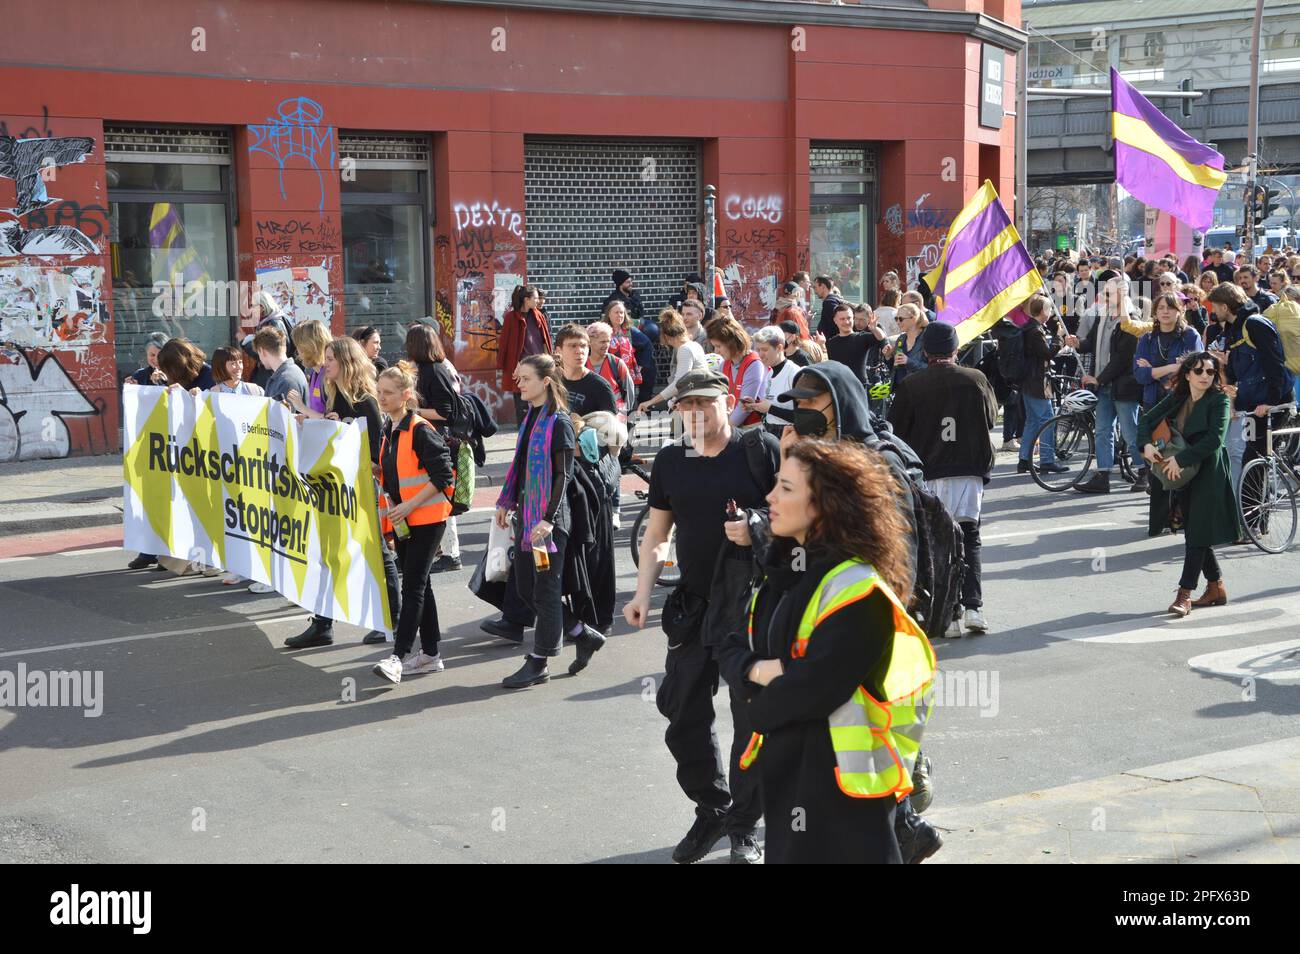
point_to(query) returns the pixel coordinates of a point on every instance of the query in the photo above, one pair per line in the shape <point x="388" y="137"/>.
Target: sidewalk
<point x="37" y="496"/>
<point x="1240" y="806"/>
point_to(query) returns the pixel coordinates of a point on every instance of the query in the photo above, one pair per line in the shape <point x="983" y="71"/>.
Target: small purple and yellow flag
<point x="985" y="270"/>
<point x="1158" y="163"/>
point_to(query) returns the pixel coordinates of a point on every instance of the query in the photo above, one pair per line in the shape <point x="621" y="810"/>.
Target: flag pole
<point x="1252" y="135"/>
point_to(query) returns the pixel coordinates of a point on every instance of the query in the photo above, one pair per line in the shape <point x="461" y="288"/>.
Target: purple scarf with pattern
<point x="537" y="481"/>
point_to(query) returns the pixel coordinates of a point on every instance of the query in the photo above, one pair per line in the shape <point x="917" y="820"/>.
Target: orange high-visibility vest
<point x="412" y="478"/>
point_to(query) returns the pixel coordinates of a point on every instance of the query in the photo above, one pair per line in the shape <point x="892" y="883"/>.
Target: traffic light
<point x="1265" y="204"/>
<point x="1186" y="103"/>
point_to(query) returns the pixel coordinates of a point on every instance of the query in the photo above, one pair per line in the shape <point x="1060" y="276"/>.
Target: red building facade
<point x="377" y="163"/>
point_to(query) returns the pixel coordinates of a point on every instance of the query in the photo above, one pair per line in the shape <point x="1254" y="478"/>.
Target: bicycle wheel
<point x="1266" y="501"/>
<point x="671" y="574"/>
<point x="1074" y="437"/>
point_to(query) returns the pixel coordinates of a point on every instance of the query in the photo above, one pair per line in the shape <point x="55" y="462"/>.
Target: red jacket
<point x="510" y="343"/>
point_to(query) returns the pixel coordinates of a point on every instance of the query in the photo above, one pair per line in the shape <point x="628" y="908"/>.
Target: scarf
<point x="537" y="480"/>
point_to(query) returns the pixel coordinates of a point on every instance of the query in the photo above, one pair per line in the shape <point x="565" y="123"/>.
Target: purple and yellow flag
<point x="171" y="254"/>
<point x="985" y="270"/>
<point x="1158" y="163"/>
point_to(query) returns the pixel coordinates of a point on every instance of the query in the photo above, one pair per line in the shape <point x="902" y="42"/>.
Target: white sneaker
<point x="260" y="588"/>
<point x="231" y="579"/>
<point x="618" y="520"/>
<point x="954" y="630"/>
<point x="974" y="621"/>
<point x="390" y="669"/>
<point x="211" y="571"/>
<point x="418" y="662"/>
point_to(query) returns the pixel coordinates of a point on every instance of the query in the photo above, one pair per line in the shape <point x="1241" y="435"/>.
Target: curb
<point x="45" y="524"/>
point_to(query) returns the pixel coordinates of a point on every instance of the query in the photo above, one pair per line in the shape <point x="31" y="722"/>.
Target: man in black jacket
<point x="1247" y="276"/>
<point x="1118" y="391"/>
<point x="626" y="293"/>
<point x="946" y="412"/>
<point x="831" y="300"/>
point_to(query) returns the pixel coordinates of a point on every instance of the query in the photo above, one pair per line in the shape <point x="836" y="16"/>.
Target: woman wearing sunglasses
<point x="1184" y="438"/>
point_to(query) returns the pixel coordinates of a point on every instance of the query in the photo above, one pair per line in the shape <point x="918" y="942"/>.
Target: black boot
<point x="1140" y="485"/>
<point x="142" y="561"/>
<point x="589" y="642"/>
<point x="374" y="637"/>
<point x="699" y="841"/>
<point x="319" y="633"/>
<point x="532" y="673"/>
<point x="1098" y="483"/>
<point x="504" y="628"/>
<point x="917" y="838"/>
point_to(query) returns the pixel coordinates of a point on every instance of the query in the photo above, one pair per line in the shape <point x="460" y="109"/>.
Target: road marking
<point x="1249" y="617"/>
<point x="18" y="559"/>
<point x="63" y="647"/>
<point x="87" y="551"/>
<point x="1271" y="662"/>
<point x="1043" y="533"/>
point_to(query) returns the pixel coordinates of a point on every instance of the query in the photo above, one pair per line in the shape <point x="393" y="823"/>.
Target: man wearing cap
<point x="693" y="481"/>
<point x="793" y="343"/>
<point x="626" y="293"/>
<point x="946" y="412"/>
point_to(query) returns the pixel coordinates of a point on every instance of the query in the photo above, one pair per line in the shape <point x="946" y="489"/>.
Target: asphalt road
<point x="216" y="744"/>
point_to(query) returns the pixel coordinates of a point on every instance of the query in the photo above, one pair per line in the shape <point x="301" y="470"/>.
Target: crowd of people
<point x="824" y="496"/>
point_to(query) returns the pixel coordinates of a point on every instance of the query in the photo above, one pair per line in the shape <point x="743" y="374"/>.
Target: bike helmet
<point x="1077" y="401"/>
<point x="878" y="392"/>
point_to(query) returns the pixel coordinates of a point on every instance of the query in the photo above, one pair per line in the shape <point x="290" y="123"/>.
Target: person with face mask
<point x="709" y="485"/>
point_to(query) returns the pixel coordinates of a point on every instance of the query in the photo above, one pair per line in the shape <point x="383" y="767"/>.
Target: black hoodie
<point x="853" y="421"/>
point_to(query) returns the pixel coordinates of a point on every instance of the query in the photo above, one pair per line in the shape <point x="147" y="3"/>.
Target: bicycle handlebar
<point x="1290" y="406"/>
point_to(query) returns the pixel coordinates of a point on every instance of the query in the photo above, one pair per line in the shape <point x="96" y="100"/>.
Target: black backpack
<point x="1013" y="364"/>
<point x="940" y="564"/>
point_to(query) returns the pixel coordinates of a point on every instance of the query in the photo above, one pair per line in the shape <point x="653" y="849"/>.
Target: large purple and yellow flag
<point x="985" y="270"/>
<point x="1158" y="163"/>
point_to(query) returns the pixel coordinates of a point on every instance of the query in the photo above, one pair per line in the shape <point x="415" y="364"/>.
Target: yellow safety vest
<point x="875" y="742"/>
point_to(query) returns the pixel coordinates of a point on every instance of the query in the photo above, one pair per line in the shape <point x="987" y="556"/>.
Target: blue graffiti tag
<point x="296" y="132"/>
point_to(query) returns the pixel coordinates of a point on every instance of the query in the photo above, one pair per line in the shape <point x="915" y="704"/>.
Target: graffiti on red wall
<point x="296" y="131"/>
<point x="482" y="255"/>
<point x="34" y="400"/>
<point x="31" y="163"/>
<point x="45" y="305"/>
<point x="752" y="274"/>
<point x="297" y="235"/>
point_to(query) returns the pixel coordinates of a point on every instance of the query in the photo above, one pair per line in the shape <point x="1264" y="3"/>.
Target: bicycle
<point x="1075" y="426"/>
<point x="1266" y="495"/>
<point x="671" y="574"/>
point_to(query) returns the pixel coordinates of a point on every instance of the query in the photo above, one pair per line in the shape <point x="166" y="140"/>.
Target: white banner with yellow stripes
<point x="235" y="482"/>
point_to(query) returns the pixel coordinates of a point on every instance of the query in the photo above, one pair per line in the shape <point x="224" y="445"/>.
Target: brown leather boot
<point x="1182" y="604"/>
<point x="1214" y="595"/>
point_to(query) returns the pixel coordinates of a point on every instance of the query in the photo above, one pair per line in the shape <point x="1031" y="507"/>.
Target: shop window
<point x="385" y="235"/>
<point x="169" y="238"/>
<point x="841" y="218"/>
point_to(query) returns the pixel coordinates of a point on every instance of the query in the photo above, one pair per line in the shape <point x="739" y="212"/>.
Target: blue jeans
<point x="1108" y="410"/>
<point x="1037" y="412"/>
<point x="1237" y="447"/>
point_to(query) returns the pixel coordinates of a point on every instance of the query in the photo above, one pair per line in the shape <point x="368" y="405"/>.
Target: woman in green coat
<point x="1198" y="408"/>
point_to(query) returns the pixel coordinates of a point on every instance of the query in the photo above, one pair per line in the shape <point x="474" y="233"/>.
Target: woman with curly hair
<point x="833" y="668"/>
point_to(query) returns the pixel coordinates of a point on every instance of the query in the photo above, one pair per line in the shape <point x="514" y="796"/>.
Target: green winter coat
<point x="1212" y="518"/>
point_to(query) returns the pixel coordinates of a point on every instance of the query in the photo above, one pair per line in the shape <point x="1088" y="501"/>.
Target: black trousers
<point x="513" y="607"/>
<point x="543" y="593"/>
<point x="972" y="591"/>
<point x="1013" y="417"/>
<point x="685" y="698"/>
<point x="1198" y="560"/>
<point x="419" y="608"/>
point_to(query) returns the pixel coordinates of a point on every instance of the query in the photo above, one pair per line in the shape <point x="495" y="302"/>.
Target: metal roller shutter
<point x="594" y="205"/>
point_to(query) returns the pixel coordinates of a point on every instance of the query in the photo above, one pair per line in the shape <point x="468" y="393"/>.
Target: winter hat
<point x="620" y="276"/>
<point x="939" y="339"/>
